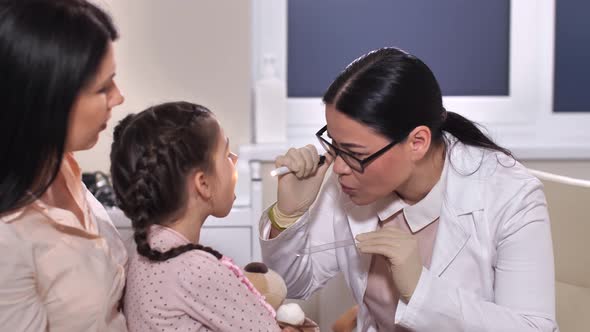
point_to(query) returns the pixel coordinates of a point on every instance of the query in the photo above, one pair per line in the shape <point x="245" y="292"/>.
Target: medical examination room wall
<point x="197" y="51"/>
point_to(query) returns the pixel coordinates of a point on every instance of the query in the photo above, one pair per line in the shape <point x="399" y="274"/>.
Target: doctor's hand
<point x="401" y="250"/>
<point x="298" y="190"/>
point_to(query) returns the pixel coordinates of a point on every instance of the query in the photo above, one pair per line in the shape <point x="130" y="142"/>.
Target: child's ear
<point x="202" y="185"/>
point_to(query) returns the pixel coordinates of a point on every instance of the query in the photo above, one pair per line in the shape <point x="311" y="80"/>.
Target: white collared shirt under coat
<point x="492" y="264"/>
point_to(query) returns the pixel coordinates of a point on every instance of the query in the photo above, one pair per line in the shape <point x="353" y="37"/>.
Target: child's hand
<point x="307" y="326"/>
<point x="290" y="329"/>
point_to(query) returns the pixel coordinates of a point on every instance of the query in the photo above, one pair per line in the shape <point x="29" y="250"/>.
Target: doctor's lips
<point x="285" y="170"/>
<point x="347" y="190"/>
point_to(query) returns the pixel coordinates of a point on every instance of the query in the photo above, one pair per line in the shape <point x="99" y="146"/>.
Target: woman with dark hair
<point x="172" y="168"/>
<point x="62" y="267"/>
<point x="451" y="233"/>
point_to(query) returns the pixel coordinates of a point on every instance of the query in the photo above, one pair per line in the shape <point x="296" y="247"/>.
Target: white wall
<point x="199" y="51"/>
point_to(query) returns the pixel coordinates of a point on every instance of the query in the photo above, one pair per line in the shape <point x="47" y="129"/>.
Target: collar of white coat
<point x="421" y="214"/>
<point x="458" y="189"/>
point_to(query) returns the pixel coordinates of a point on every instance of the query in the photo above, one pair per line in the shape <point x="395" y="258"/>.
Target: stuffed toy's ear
<point x="267" y="282"/>
<point x="256" y="267"/>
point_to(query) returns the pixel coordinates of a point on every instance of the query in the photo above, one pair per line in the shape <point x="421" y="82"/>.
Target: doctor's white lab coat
<point x="492" y="264"/>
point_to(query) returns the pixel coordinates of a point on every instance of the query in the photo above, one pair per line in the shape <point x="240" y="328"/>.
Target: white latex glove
<point x="401" y="250"/>
<point x="298" y="190"/>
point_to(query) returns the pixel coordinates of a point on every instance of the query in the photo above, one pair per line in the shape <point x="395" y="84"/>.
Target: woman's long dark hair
<point x="394" y="92"/>
<point x="152" y="154"/>
<point x="49" y="50"/>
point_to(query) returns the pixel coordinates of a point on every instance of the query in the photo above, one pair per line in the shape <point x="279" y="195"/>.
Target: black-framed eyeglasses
<point x="355" y="163"/>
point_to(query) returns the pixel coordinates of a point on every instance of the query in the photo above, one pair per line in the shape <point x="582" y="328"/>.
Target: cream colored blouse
<point x="57" y="273"/>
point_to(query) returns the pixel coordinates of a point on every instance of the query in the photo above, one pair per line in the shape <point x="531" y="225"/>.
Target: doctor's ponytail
<point x="467" y="132"/>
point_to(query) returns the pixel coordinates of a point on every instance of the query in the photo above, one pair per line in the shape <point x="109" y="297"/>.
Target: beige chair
<point x="568" y="200"/>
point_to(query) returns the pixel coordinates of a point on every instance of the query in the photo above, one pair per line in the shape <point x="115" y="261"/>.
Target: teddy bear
<point x="272" y="286"/>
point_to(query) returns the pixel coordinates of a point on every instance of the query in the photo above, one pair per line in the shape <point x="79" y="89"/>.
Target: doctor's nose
<point x="341" y="167"/>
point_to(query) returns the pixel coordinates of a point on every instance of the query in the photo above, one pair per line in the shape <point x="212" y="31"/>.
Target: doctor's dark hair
<point x="152" y="154"/>
<point x="394" y="92"/>
<point x="49" y="51"/>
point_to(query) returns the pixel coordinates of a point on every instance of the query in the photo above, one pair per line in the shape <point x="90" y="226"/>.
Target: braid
<point x="156" y="165"/>
<point x="146" y="194"/>
<point x="143" y="248"/>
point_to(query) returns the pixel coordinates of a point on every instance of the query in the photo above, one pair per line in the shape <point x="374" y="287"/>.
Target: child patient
<point x="172" y="168"/>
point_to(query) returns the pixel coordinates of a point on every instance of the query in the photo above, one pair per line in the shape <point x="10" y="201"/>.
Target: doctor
<point x="452" y="233"/>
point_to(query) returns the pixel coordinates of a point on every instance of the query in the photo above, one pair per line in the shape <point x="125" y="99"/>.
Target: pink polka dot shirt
<point x="191" y="292"/>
